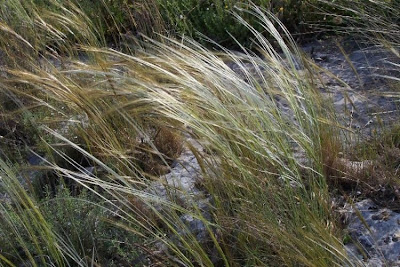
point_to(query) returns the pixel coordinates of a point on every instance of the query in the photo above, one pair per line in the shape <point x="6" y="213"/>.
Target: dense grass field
<point x="100" y="100"/>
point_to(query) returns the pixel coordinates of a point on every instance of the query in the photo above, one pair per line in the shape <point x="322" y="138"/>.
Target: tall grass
<point x="262" y="126"/>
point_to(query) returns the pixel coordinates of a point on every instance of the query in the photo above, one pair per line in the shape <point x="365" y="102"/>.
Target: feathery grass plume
<point x="51" y="29"/>
<point x="54" y="28"/>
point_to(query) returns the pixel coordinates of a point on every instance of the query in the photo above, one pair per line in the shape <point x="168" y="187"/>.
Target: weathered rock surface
<point x="355" y="84"/>
<point x="375" y="234"/>
<point x="181" y="181"/>
<point x="180" y="186"/>
<point x="355" y="81"/>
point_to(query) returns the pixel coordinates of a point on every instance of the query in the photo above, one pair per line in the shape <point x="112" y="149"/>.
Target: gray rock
<point x="195" y="227"/>
<point x="375" y="234"/>
<point x="180" y="186"/>
<point x="359" y="79"/>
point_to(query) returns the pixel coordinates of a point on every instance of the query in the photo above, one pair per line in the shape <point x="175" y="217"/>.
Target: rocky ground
<point x="377" y="244"/>
<point x="361" y="96"/>
<point x="355" y="81"/>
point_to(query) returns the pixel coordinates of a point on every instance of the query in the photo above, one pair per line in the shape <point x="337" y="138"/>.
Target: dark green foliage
<point x="213" y="18"/>
<point x="303" y="18"/>
<point x="82" y="224"/>
<point x="86" y="226"/>
<point x="115" y="17"/>
<point x="210" y="18"/>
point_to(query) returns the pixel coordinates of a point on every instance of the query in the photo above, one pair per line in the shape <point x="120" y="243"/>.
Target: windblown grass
<point x="262" y="125"/>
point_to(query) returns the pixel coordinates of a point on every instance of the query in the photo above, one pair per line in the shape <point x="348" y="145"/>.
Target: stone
<point x="375" y="235"/>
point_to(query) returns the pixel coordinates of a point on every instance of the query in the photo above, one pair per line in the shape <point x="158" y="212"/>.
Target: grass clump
<point x="112" y="19"/>
<point x="370" y="169"/>
<point x="22" y="223"/>
<point x="254" y="145"/>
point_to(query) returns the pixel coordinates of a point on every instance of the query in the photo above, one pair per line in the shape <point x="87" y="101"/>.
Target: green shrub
<point x="83" y="225"/>
<point x="213" y="18"/>
<point x="303" y="18"/>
